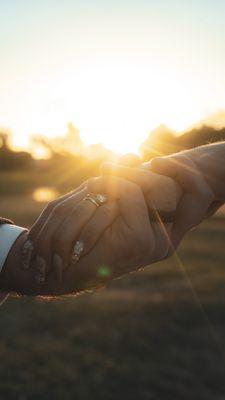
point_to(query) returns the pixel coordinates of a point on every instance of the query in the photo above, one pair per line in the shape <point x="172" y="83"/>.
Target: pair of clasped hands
<point x="131" y="216"/>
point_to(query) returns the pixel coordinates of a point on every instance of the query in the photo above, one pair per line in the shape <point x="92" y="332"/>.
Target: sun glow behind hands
<point x="115" y="103"/>
<point x="114" y="69"/>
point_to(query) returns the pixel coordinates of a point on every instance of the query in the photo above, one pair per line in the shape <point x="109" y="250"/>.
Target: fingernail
<point x="27" y="251"/>
<point x="58" y="267"/>
<point x="40" y="266"/>
<point x="77" y="251"/>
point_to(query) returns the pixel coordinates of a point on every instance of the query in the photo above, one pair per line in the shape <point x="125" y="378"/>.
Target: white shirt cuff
<point x="8" y="235"/>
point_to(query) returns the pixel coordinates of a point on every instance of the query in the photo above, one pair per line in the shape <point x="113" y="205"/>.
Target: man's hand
<point x="162" y="194"/>
<point x="129" y="242"/>
<point x="201" y="174"/>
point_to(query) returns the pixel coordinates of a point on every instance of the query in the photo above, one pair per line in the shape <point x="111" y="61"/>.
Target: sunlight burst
<point x="113" y="103"/>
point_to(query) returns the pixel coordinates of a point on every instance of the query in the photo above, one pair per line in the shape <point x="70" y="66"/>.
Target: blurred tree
<point x="4" y="137"/>
<point x="163" y="141"/>
<point x="10" y="159"/>
<point x="160" y="142"/>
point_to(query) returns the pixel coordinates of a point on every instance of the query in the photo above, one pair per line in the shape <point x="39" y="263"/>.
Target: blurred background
<point x="82" y="82"/>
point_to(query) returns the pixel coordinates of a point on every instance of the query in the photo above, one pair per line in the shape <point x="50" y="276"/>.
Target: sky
<point x="115" y="69"/>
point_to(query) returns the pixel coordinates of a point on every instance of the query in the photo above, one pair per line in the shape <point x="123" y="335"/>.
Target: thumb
<point x="164" y="166"/>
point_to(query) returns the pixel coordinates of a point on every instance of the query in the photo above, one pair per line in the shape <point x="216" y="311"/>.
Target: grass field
<point x="157" y="334"/>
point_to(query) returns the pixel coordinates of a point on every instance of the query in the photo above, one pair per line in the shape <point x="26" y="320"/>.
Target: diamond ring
<point x="78" y="249"/>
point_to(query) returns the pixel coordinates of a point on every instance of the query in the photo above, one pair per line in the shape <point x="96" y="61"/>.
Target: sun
<point x="119" y="104"/>
<point x="113" y="103"/>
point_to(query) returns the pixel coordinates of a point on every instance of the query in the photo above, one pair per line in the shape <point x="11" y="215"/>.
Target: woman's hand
<point x="40" y="236"/>
<point x="126" y="242"/>
<point x="37" y="249"/>
<point x="162" y="194"/>
<point x="28" y="248"/>
<point x="194" y="197"/>
<point x="54" y="235"/>
<point x="52" y="242"/>
<point x="129" y="243"/>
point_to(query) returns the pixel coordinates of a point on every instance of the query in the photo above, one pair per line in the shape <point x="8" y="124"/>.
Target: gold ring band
<point x="93" y="201"/>
<point x="97" y="199"/>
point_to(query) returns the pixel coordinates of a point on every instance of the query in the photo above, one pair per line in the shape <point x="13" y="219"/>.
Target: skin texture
<point x="199" y="173"/>
<point x="126" y="244"/>
<point x="131" y="242"/>
<point x="198" y="196"/>
<point x="69" y="219"/>
<point x="210" y="161"/>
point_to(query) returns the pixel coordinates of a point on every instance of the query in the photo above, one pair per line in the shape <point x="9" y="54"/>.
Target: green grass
<point x="156" y="334"/>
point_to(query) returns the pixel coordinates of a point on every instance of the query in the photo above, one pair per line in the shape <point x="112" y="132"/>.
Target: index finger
<point x="130" y="198"/>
